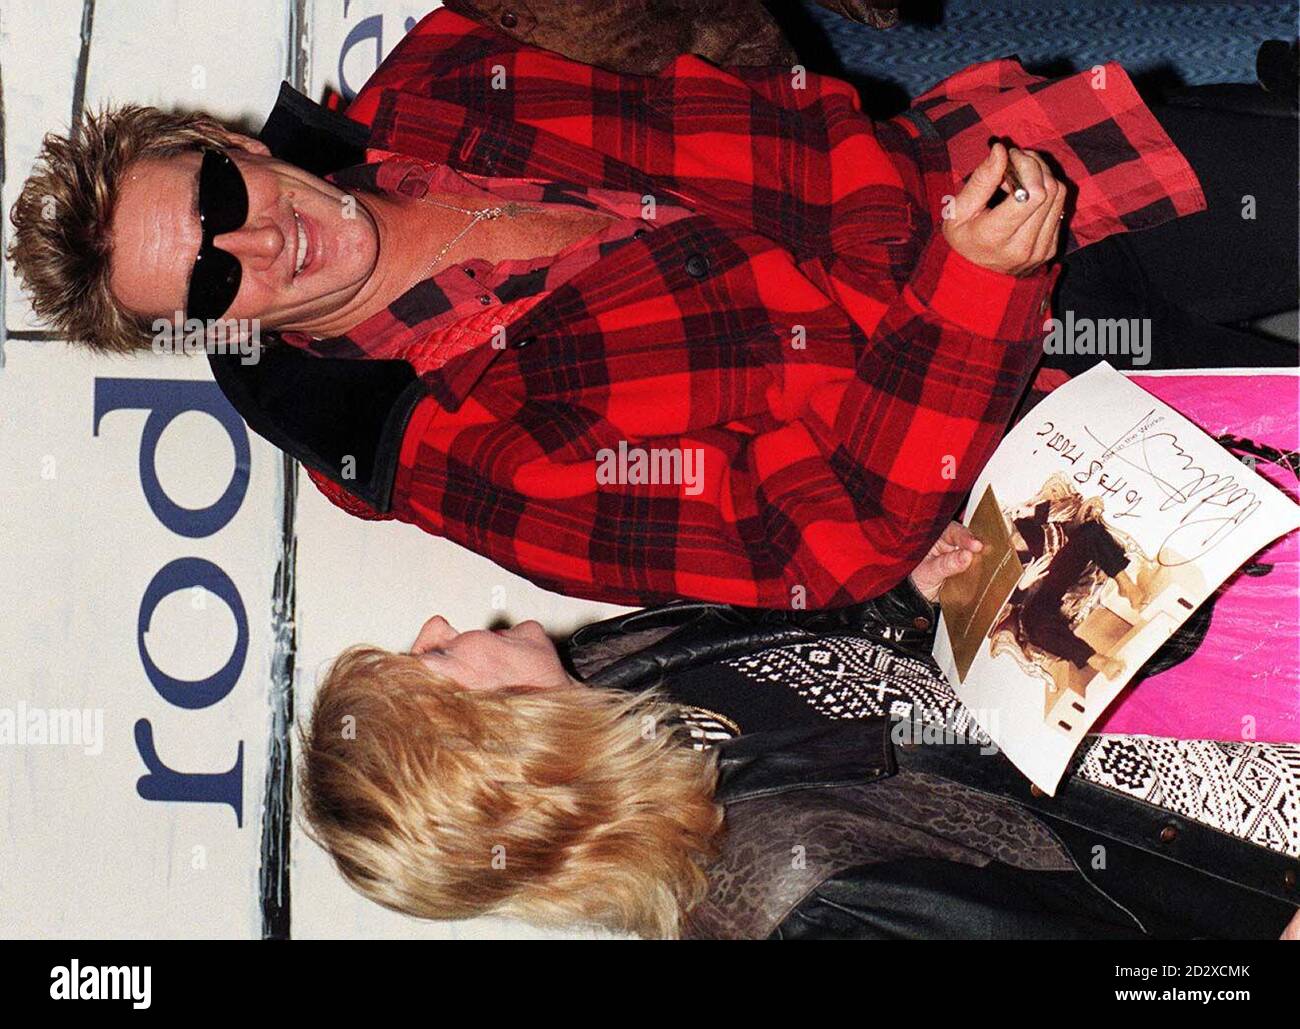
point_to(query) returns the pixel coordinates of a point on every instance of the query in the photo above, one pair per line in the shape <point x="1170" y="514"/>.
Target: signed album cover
<point x="1107" y="519"/>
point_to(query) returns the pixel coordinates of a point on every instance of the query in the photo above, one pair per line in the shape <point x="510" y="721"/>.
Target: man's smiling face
<point x="306" y="248"/>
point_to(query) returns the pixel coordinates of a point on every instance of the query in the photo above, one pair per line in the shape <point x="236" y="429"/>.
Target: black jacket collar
<point x="311" y="136"/>
<point x="343" y="418"/>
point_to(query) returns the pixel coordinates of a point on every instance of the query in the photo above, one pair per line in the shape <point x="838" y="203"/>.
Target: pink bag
<point x="1243" y="680"/>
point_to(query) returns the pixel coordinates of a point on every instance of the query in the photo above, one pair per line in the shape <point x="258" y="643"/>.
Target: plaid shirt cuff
<point x="981" y="301"/>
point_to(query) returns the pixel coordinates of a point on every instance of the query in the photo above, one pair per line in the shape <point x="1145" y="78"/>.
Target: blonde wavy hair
<point x="558" y="806"/>
<point x="61" y="244"/>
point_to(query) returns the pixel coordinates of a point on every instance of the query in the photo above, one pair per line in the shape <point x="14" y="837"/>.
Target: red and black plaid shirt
<point x="795" y="315"/>
<point x="431" y="317"/>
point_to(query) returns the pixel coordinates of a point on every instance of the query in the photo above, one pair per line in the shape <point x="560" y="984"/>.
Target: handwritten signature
<point x="1216" y="505"/>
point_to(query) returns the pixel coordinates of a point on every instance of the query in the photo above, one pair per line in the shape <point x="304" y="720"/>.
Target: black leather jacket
<point x="838" y="831"/>
<point x="624" y="651"/>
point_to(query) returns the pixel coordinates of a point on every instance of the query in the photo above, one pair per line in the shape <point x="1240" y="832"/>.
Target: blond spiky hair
<point x="61" y="219"/>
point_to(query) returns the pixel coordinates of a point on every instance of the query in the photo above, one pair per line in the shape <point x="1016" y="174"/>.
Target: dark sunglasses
<point x="223" y="207"/>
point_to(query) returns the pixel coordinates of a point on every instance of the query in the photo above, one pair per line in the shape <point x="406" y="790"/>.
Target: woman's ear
<point x="248" y="143"/>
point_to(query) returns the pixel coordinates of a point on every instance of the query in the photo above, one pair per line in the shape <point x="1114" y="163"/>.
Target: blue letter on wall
<point x="164" y="399"/>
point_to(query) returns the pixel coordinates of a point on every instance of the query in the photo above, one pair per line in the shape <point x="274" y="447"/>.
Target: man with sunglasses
<point x="308" y="257"/>
<point x="478" y="292"/>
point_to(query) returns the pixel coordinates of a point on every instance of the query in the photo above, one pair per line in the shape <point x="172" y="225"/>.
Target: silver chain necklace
<point x="510" y="210"/>
<point x="479" y="214"/>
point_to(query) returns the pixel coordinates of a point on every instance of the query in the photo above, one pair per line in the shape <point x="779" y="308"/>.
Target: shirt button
<point x="508" y="20"/>
<point x="920" y="622"/>
<point x="639" y="234"/>
<point x="519" y="344"/>
<point x="697" y="266"/>
<point x="485" y="299"/>
<point x="469" y="272"/>
<point x="1168" y="834"/>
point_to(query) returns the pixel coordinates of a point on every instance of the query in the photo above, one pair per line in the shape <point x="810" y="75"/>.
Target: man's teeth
<point x="302" y="245"/>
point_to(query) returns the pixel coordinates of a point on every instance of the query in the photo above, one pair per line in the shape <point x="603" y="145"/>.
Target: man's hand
<point x="1013" y="238"/>
<point x="952" y="553"/>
